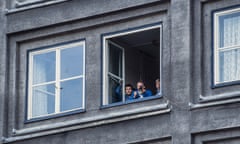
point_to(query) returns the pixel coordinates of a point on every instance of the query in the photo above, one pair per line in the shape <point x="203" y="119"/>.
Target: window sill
<point x="101" y="119"/>
<point x="54" y="116"/>
<point x="224" y="84"/>
<point x="224" y="96"/>
<point x="215" y="100"/>
<point x="130" y="102"/>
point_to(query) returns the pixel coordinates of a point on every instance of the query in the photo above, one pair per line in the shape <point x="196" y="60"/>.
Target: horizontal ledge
<point x="165" y="137"/>
<point x="214" y="103"/>
<point x="80" y="124"/>
<point x="92" y="20"/>
<point x="27" y="6"/>
<point x="223" y="96"/>
<point x="91" y="119"/>
<point x="226" y="128"/>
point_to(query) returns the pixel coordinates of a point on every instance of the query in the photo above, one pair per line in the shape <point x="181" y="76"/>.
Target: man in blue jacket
<point x="142" y="91"/>
<point x="130" y="94"/>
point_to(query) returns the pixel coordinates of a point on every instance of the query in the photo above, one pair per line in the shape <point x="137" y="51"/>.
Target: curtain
<point x="40" y="93"/>
<point x="39" y="98"/>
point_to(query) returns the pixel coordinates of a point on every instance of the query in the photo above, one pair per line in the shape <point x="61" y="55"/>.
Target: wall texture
<point x="187" y="112"/>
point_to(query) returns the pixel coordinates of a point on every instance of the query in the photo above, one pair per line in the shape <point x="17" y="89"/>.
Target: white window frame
<point x="57" y="81"/>
<point x="105" y="85"/>
<point x="217" y="48"/>
<point x="105" y="58"/>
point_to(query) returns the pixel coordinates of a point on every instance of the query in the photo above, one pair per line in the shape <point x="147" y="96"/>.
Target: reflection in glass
<point x="71" y="94"/>
<point x="71" y="62"/>
<point x="115" y="60"/>
<point x="44" y="67"/>
<point x="43" y="100"/>
<point x="115" y="91"/>
<point x="115" y="74"/>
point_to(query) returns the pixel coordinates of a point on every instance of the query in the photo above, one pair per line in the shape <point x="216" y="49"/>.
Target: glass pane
<point x="71" y="62"/>
<point x="44" y="67"/>
<point x="114" y="91"/>
<point x="229" y="30"/>
<point x="71" y="94"/>
<point x="229" y="65"/>
<point x="115" y="60"/>
<point x="43" y="100"/>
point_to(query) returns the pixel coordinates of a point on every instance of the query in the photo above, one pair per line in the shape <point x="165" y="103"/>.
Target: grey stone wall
<point x="3" y="106"/>
<point x="187" y="114"/>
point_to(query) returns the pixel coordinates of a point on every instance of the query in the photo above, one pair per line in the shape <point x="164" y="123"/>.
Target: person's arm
<point x="118" y="90"/>
<point x="149" y="93"/>
<point x="135" y="95"/>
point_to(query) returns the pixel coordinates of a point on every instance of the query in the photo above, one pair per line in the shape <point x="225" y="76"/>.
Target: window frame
<point x="215" y="46"/>
<point x="27" y="3"/>
<point x="107" y="63"/>
<point x="123" y="32"/>
<point x="29" y="85"/>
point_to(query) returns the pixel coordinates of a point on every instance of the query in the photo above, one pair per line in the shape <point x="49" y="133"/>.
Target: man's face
<point x="140" y="86"/>
<point x="157" y="83"/>
<point x="128" y="90"/>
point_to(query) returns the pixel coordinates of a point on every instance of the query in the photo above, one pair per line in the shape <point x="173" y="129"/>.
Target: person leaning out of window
<point x="142" y="91"/>
<point x="158" y="89"/>
<point x="130" y="94"/>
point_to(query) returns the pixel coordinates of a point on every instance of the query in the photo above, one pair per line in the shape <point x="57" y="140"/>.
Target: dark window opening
<point x="130" y="58"/>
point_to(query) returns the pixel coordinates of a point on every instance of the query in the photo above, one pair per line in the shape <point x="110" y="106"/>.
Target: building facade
<point x="63" y="65"/>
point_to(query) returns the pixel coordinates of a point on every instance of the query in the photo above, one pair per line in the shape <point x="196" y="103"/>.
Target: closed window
<point x="56" y="80"/>
<point x="227" y="46"/>
<point x="132" y="65"/>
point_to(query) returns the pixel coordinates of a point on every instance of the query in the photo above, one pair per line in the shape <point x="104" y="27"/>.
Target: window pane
<point x="114" y="91"/>
<point x="229" y="65"/>
<point x="71" y="62"/>
<point x="115" y="60"/>
<point x="43" y="100"/>
<point x="229" y="30"/>
<point x="44" y="67"/>
<point x="71" y="94"/>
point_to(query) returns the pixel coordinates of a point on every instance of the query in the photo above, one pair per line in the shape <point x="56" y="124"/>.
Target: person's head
<point x="157" y="83"/>
<point x="141" y="86"/>
<point x="128" y="89"/>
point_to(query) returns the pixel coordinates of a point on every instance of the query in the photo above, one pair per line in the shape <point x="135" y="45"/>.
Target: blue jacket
<point x="131" y="97"/>
<point x="147" y="93"/>
<point x="118" y="91"/>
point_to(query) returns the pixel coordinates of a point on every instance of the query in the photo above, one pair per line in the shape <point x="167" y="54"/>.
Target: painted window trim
<point x="106" y="36"/>
<point x="60" y="46"/>
<point x="215" y="46"/>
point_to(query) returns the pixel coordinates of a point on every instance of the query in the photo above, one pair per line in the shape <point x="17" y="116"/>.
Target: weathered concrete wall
<point x="3" y="106"/>
<point x="189" y="117"/>
<point x="180" y="70"/>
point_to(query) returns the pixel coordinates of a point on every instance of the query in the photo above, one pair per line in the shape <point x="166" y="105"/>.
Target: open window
<point x="129" y="57"/>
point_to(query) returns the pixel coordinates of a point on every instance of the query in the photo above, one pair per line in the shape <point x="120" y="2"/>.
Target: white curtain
<point x="230" y="59"/>
<point x="39" y="95"/>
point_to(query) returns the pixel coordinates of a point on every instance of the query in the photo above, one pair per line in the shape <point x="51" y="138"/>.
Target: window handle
<point x="58" y="87"/>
